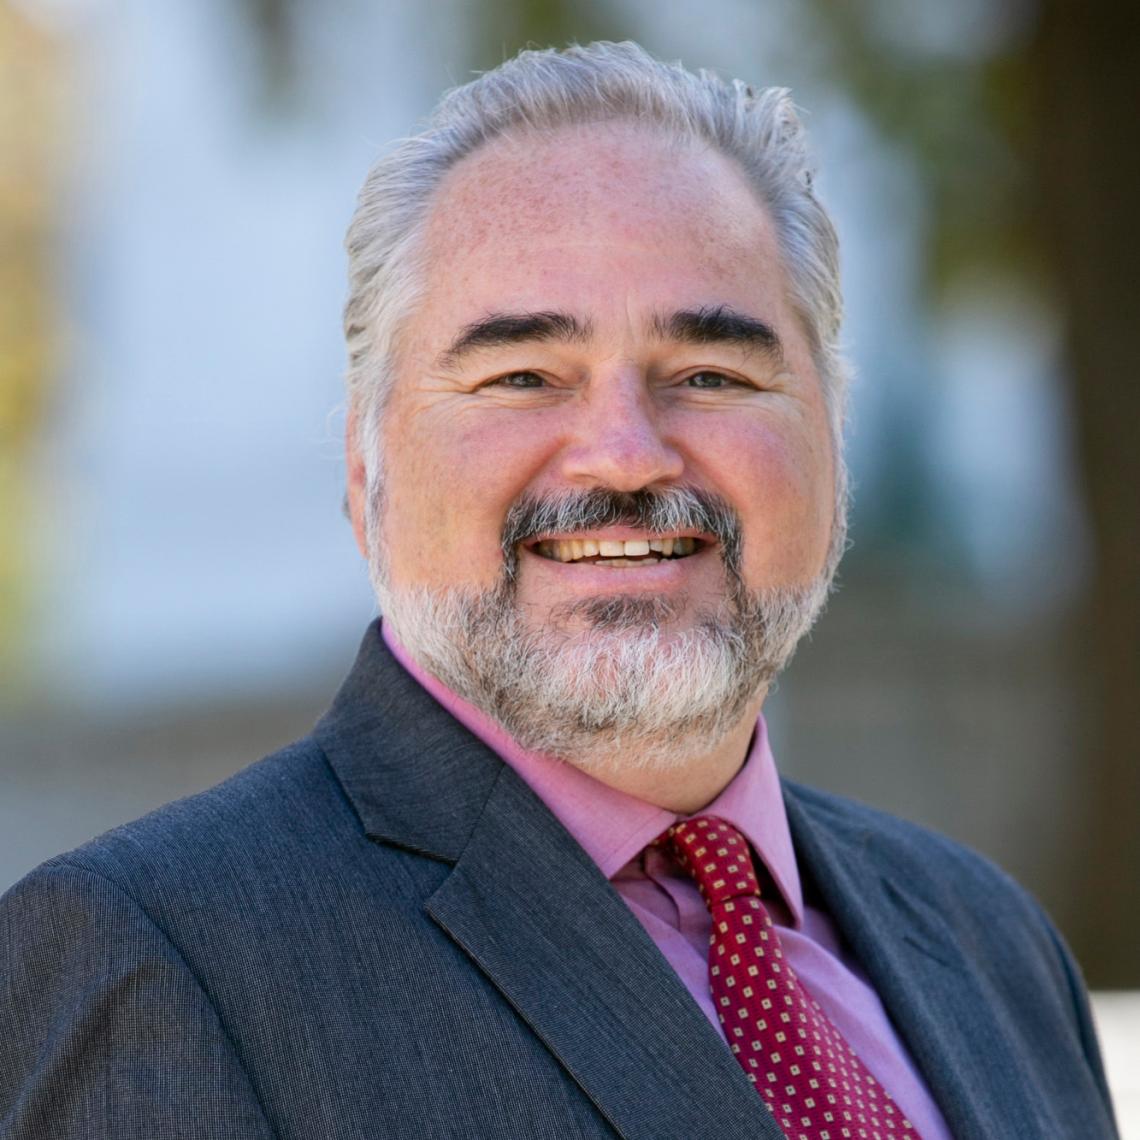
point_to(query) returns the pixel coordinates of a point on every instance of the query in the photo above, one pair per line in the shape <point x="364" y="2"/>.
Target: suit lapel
<point x="534" y="913"/>
<point x="538" y="918"/>
<point x="920" y="971"/>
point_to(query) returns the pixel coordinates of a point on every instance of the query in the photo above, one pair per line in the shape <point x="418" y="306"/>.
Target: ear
<point x="357" y="482"/>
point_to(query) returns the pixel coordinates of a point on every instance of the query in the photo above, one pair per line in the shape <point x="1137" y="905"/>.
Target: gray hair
<point x="547" y="90"/>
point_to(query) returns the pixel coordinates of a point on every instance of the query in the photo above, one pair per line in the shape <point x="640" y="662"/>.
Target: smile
<point x="616" y="553"/>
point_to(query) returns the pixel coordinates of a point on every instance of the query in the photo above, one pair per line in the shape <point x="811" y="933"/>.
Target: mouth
<point x="618" y="553"/>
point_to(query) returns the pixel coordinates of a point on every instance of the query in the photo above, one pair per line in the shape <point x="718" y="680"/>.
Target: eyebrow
<point x="715" y="324"/>
<point x="719" y="324"/>
<point x="498" y="329"/>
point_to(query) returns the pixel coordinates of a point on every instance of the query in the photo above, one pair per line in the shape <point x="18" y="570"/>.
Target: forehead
<point x="597" y="198"/>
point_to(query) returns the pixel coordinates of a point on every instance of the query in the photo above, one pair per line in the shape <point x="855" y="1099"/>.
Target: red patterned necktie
<point x="807" y="1073"/>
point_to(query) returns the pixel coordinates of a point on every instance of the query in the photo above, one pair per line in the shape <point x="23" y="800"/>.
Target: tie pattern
<point x="807" y="1073"/>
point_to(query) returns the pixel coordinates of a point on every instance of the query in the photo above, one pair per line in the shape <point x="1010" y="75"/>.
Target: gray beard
<point x="617" y="689"/>
<point x="606" y="684"/>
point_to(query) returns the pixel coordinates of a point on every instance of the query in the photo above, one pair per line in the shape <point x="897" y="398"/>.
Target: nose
<point x="617" y="439"/>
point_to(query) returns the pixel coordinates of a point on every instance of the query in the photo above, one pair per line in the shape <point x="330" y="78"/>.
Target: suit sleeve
<point x="104" y="1031"/>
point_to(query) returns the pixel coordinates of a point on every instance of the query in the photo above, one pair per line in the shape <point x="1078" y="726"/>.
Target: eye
<point x="711" y="380"/>
<point x="517" y="380"/>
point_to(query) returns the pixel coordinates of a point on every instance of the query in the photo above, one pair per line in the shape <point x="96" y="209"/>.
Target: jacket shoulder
<point x="275" y="811"/>
<point x="941" y="883"/>
<point x="920" y="852"/>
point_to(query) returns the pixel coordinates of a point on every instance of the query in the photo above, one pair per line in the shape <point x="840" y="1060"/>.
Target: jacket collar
<point x="416" y="778"/>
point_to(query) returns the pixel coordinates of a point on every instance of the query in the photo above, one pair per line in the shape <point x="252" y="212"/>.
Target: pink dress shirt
<point x="615" y="829"/>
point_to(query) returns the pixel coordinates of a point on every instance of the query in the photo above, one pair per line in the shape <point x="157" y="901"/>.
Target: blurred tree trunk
<point x="1088" y="61"/>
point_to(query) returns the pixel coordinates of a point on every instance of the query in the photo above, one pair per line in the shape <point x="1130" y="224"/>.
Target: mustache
<point x="659" y="512"/>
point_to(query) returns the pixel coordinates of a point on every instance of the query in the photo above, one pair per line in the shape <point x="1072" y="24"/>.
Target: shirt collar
<point x="613" y="827"/>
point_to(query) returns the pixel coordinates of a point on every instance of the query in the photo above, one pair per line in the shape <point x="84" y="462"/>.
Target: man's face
<point x="605" y="311"/>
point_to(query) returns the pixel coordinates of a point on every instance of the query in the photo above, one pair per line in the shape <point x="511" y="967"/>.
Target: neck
<point x="688" y="786"/>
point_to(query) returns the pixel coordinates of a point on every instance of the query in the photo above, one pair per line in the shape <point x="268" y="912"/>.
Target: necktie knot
<point x="717" y="857"/>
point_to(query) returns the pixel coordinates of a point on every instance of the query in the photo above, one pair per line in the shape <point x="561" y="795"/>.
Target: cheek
<point x="448" y="493"/>
<point x="782" y="484"/>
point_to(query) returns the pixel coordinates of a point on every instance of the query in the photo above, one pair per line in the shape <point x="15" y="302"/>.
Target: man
<point x="594" y="464"/>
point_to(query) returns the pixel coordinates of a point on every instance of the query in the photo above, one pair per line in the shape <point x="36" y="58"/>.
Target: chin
<point x="609" y="682"/>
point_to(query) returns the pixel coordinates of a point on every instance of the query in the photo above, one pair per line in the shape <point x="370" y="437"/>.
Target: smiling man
<point x="535" y="874"/>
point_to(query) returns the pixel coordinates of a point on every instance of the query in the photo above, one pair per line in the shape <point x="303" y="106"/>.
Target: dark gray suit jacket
<point x="380" y="931"/>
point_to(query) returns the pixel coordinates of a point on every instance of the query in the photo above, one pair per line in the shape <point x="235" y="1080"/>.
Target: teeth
<point x="619" y="562"/>
<point x="615" y="553"/>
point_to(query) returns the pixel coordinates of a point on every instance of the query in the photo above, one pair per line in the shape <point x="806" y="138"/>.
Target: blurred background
<point x="179" y="593"/>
